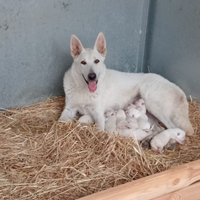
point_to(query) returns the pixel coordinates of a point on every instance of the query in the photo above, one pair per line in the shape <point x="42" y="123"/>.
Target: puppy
<point x="136" y="134"/>
<point x="159" y="141"/>
<point x="121" y="120"/>
<point x="132" y="122"/>
<point x="110" y="124"/>
<point x="142" y="119"/>
<point x="140" y="105"/>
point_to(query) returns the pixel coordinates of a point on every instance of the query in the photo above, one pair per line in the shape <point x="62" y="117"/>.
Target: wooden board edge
<point x="152" y="186"/>
<point x="191" y="192"/>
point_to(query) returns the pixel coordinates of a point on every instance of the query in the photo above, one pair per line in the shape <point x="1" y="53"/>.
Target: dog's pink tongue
<point x="92" y="86"/>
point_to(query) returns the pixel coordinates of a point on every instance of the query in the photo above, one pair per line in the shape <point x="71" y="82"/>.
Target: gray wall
<point x="173" y="48"/>
<point x="35" y="36"/>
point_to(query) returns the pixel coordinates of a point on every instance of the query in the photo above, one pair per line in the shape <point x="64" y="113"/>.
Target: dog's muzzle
<point x="92" y="83"/>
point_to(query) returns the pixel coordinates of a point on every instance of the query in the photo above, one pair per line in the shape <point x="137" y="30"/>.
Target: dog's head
<point x="89" y="63"/>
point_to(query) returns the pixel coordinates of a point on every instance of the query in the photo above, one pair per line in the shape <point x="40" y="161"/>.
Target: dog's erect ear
<point x="100" y="44"/>
<point x="76" y="46"/>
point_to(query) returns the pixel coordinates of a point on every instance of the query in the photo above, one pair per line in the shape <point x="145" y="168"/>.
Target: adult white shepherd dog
<point x="92" y="89"/>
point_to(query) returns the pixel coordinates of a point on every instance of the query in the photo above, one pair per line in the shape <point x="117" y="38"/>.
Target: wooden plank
<point x="152" y="186"/>
<point x="191" y="192"/>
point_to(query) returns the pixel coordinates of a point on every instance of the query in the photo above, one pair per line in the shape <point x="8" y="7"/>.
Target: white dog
<point x="92" y="89"/>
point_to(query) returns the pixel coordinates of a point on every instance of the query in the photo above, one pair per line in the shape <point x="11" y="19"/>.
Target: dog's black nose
<point x="92" y="76"/>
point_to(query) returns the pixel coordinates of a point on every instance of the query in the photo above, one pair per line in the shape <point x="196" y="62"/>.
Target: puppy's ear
<point x="100" y="44"/>
<point x="76" y="46"/>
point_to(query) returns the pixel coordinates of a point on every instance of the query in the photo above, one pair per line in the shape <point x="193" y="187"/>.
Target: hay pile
<point x="44" y="159"/>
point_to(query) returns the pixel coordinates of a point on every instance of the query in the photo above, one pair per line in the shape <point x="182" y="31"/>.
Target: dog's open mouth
<point x="92" y="85"/>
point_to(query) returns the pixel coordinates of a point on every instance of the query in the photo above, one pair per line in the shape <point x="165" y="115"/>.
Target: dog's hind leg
<point x="174" y="115"/>
<point x="163" y="115"/>
<point x="180" y="117"/>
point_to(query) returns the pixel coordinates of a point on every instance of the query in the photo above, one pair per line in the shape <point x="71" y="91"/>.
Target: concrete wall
<point x="173" y="48"/>
<point x="35" y="36"/>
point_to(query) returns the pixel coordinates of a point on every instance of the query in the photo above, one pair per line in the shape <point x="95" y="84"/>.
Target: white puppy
<point x="121" y="120"/>
<point x="140" y="105"/>
<point x="110" y="124"/>
<point x="142" y="119"/>
<point x="159" y="141"/>
<point x="136" y="134"/>
<point x="132" y="122"/>
<point x="129" y="106"/>
<point x="86" y="119"/>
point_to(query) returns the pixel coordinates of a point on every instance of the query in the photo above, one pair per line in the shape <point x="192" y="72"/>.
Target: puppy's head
<point x="121" y="114"/>
<point x="89" y="63"/>
<point x="139" y="103"/>
<point x="109" y="113"/>
<point x="132" y="112"/>
<point x="180" y="136"/>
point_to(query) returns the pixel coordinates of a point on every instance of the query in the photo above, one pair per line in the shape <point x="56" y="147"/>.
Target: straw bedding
<point x="41" y="158"/>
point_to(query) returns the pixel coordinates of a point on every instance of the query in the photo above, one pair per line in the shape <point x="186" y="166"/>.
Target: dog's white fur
<point x="159" y="141"/>
<point x="115" y="90"/>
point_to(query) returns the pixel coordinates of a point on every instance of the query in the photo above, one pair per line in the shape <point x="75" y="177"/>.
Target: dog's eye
<point x="178" y="133"/>
<point x="83" y="63"/>
<point x="96" y="61"/>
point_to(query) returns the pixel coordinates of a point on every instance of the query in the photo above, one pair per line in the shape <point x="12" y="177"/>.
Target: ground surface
<point x="41" y="158"/>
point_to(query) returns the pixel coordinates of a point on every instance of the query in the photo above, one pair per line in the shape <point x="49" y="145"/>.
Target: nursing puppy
<point x="110" y="124"/>
<point x="140" y="105"/>
<point x="121" y="121"/>
<point x="137" y="134"/>
<point x="141" y="118"/>
<point x="92" y="89"/>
